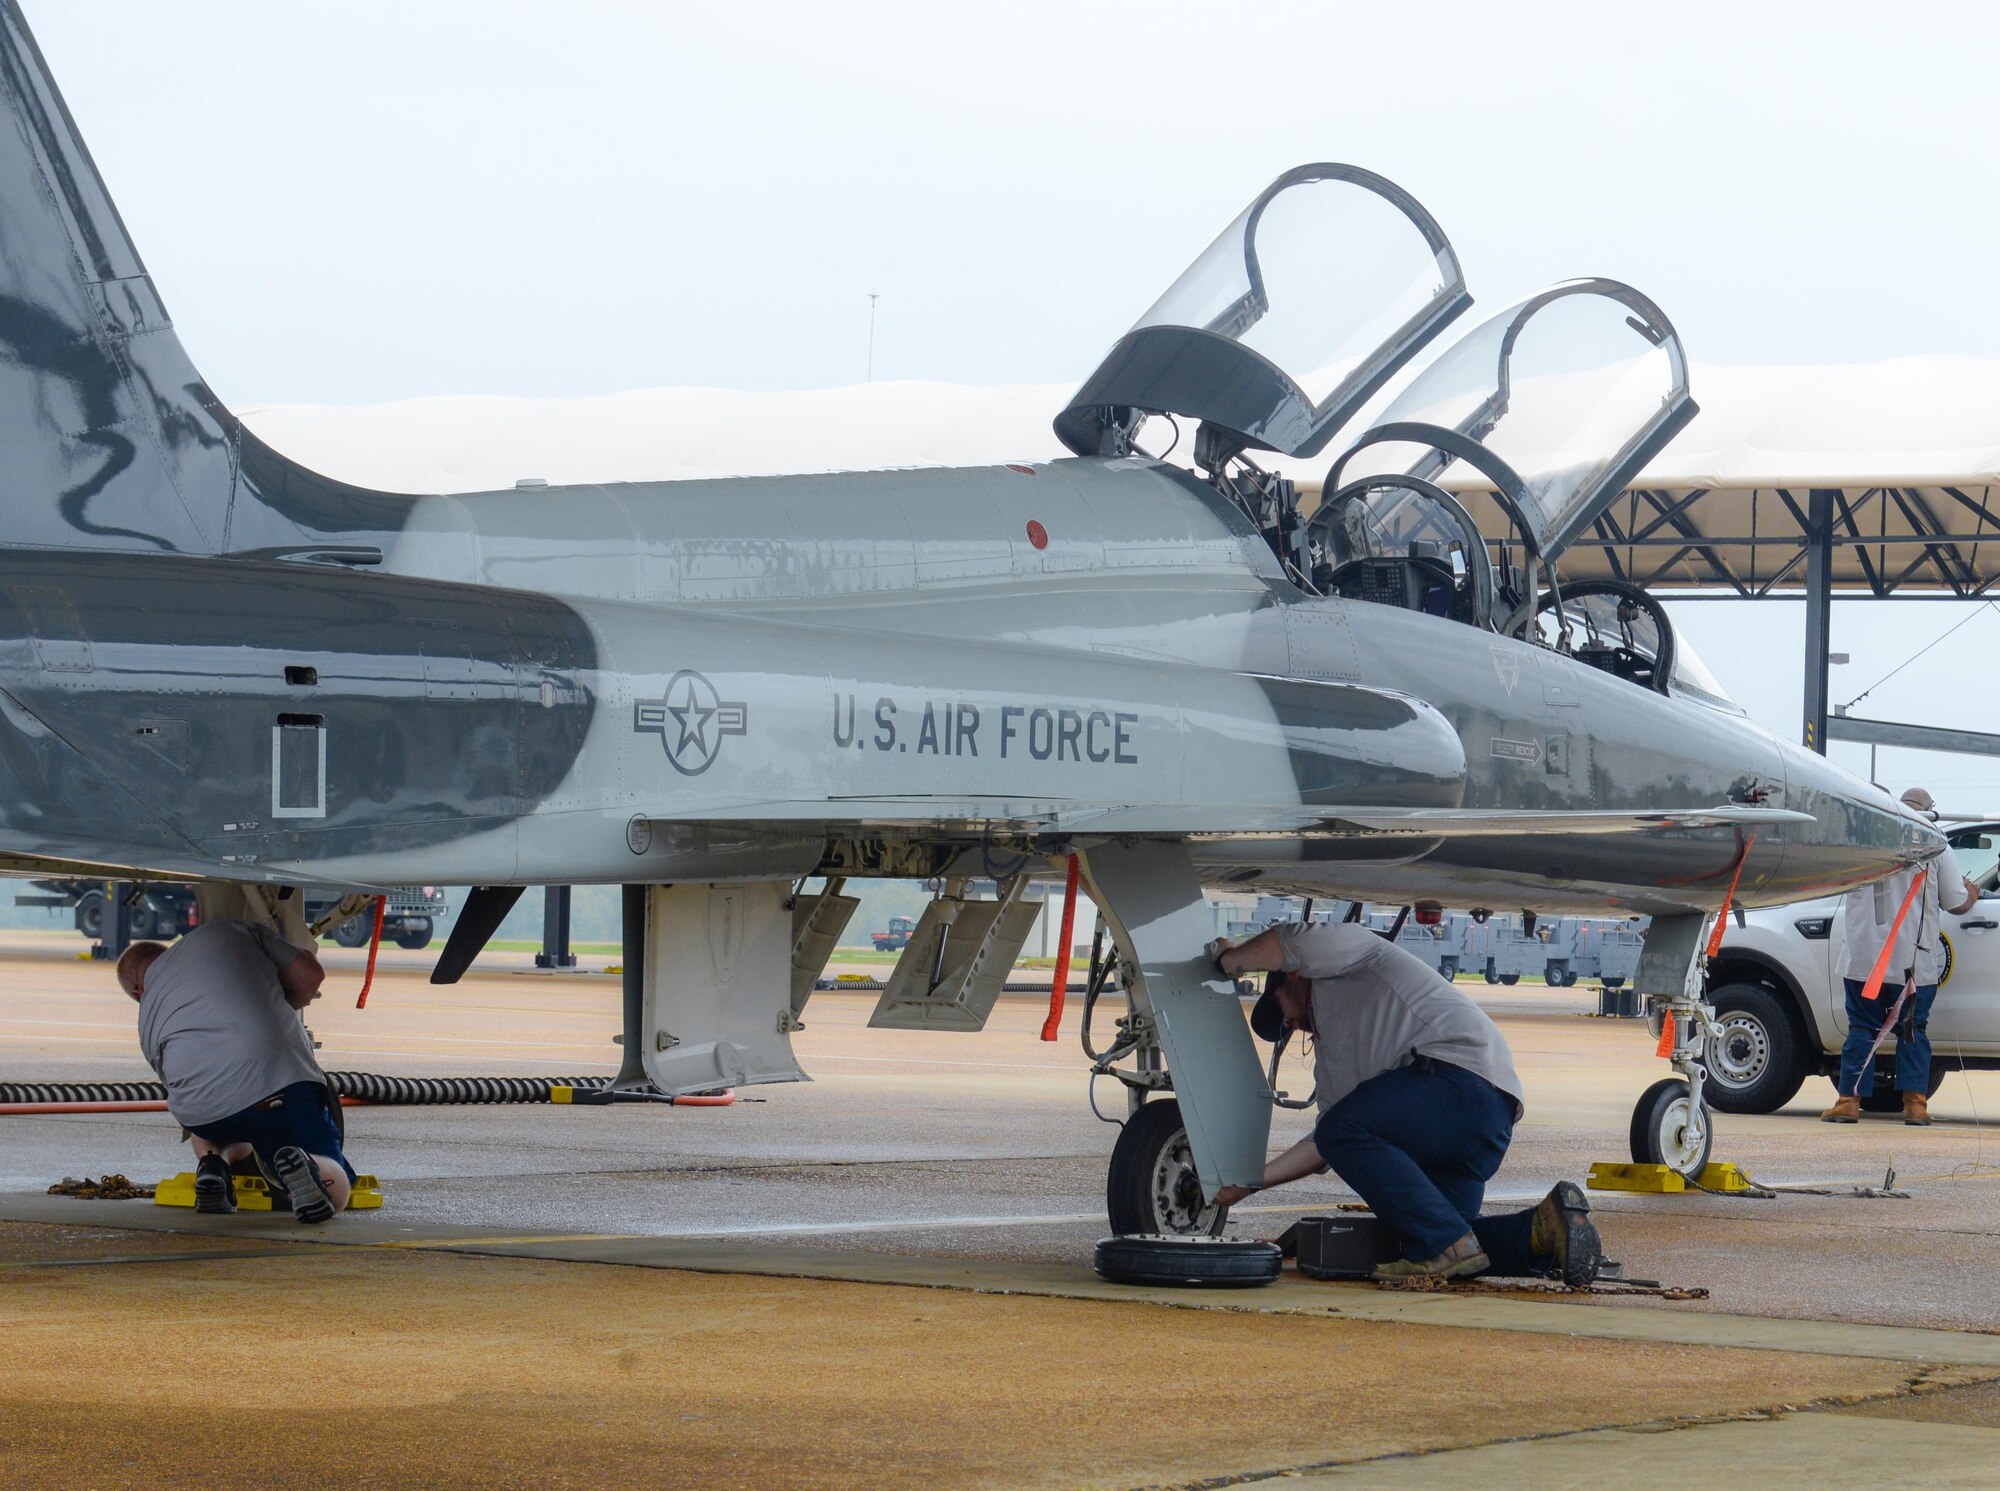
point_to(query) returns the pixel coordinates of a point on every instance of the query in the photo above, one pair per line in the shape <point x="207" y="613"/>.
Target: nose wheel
<point x="1671" y="1127"/>
<point x="1152" y="1188"/>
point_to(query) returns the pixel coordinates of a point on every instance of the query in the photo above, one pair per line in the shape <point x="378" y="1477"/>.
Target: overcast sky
<point x="371" y="201"/>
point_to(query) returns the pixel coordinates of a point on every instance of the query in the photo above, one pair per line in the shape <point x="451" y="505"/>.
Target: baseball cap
<point x="1266" y="1019"/>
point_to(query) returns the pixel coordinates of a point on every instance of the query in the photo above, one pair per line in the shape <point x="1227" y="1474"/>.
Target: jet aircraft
<point x="732" y="697"/>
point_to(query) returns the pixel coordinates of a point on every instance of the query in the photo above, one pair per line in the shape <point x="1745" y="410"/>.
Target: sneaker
<point x="299" y="1176"/>
<point x="1562" y="1229"/>
<point x="1462" y="1259"/>
<point x="1844" y="1110"/>
<point x="214" y="1186"/>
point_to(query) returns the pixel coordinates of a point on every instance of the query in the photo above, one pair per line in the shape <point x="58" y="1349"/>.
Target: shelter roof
<point x="1910" y="447"/>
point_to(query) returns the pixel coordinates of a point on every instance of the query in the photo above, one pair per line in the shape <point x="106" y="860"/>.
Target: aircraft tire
<point x="1151" y="1189"/>
<point x="1510" y="979"/>
<point x="90" y="915"/>
<point x="1759" y="1062"/>
<point x="1658" y="1128"/>
<point x="1491" y="976"/>
<point x="1198" y="1261"/>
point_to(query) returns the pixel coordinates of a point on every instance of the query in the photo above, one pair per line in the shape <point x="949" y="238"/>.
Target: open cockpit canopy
<point x="1548" y="410"/>
<point x="1557" y="403"/>
<point x="1319" y="291"/>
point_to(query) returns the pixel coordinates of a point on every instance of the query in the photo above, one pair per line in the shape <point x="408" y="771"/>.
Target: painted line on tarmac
<point x="537" y="1239"/>
<point x="289" y="1251"/>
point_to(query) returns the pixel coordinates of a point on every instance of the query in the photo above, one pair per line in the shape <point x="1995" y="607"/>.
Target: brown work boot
<point x="1916" y="1110"/>
<point x="1462" y="1258"/>
<point x="1562" y="1230"/>
<point x="1845" y="1109"/>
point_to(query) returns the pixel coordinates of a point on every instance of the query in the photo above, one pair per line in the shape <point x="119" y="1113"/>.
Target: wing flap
<point x="976" y="815"/>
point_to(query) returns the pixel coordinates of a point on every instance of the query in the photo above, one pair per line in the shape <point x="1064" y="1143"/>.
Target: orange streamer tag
<point x="1666" y="1046"/>
<point x="1722" y="916"/>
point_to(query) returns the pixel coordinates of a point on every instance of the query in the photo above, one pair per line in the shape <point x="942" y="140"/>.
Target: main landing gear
<point x="1152" y="1188"/>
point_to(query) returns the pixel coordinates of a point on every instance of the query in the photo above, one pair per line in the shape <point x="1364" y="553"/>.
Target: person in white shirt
<point x="1867" y="913"/>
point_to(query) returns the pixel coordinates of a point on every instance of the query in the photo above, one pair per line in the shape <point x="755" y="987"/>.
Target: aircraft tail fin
<point x="112" y="438"/>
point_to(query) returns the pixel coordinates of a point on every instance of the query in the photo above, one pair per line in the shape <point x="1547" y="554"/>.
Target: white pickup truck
<point x="1783" y="1009"/>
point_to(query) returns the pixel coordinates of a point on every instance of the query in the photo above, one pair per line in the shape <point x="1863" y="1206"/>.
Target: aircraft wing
<point x="987" y="815"/>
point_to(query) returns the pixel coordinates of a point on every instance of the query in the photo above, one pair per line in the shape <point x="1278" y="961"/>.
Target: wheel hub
<point x="1742" y="1053"/>
<point x="1177" y="1198"/>
<point x="1681" y="1135"/>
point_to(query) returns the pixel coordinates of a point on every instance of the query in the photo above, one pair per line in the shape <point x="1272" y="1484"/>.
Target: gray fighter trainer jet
<point x="219" y="667"/>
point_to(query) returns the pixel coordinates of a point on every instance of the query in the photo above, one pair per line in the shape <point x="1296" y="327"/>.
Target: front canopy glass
<point x="1318" y="291"/>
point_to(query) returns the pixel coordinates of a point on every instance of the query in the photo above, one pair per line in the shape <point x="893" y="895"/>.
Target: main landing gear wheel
<point x="1152" y="1189"/>
<point x="1212" y="1262"/>
<point x="1666" y="1131"/>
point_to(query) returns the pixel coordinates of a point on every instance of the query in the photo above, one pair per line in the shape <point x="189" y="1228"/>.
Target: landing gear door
<point x="1320" y="290"/>
<point x="718" y="987"/>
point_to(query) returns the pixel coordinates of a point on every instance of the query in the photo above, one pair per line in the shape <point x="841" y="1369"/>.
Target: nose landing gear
<point x="1671" y="1124"/>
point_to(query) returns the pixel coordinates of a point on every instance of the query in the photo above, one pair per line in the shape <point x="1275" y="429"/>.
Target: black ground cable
<point x="364" y="1086"/>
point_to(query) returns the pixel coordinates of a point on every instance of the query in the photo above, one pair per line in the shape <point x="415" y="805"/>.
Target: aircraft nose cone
<point x="1860" y="833"/>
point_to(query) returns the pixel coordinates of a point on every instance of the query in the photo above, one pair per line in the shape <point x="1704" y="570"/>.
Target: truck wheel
<point x="1510" y="979"/>
<point x="1663" y="1131"/>
<point x="1152" y="1189"/>
<point x="1448" y="967"/>
<point x="1558" y="976"/>
<point x="1214" y="1263"/>
<point x="415" y="934"/>
<point x="90" y="915"/>
<point x="355" y="931"/>
<point x="1758" y="1063"/>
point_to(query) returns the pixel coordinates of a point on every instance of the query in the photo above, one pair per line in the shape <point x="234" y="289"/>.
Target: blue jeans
<point x="298" y="1115"/>
<point x="1913" y="1039"/>
<point x="1419" y="1146"/>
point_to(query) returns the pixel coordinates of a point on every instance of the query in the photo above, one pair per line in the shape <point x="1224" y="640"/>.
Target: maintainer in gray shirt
<point x="1418" y="1099"/>
<point x="214" y="1023"/>
<point x="1377" y="1008"/>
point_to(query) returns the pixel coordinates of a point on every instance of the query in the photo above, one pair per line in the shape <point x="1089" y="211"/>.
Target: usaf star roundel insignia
<point x="690" y="719"/>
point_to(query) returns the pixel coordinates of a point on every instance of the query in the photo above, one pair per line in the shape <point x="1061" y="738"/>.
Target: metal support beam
<point x="632" y="1055"/>
<point x="1912" y="737"/>
<point x="555" y="951"/>
<point x="1819" y="613"/>
<point x="114" y="934"/>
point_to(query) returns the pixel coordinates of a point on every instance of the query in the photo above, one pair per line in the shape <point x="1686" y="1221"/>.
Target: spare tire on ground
<point x="1205" y="1262"/>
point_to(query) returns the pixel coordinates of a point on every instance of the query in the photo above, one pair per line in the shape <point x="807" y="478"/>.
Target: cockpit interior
<point x="1468" y="481"/>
